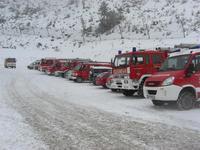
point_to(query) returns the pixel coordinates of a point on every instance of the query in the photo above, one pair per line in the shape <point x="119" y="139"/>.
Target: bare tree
<point x="121" y="31"/>
<point x="145" y="25"/>
<point x="76" y="3"/>
<point x="83" y="29"/>
<point x="182" y="22"/>
<point x="83" y="4"/>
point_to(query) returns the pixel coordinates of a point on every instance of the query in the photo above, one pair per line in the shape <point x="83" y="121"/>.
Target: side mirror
<point x="190" y="70"/>
<point x="111" y="61"/>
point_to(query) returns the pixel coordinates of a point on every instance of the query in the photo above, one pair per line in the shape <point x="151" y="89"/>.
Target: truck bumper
<point x="42" y="70"/>
<point x="57" y="73"/>
<point x="129" y="84"/>
<point x="116" y="84"/>
<point x="164" y="93"/>
<point x="73" y="78"/>
<point x="49" y="73"/>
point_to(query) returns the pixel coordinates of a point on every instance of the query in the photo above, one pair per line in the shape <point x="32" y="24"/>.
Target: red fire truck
<point x="177" y="81"/>
<point x="70" y="65"/>
<point x="45" y="62"/>
<point x="133" y="68"/>
<point x="82" y="71"/>
<point x="59" y="65"/>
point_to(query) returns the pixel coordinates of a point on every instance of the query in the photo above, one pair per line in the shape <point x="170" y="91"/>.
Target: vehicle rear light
<point x="75" y="74"/>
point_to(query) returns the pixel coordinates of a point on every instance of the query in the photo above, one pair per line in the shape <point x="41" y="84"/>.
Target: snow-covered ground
<point x="41" y="112"/>
<point x="136" y="108"/>
<point x="15" y="133"/>
<point x="62" y="114"/>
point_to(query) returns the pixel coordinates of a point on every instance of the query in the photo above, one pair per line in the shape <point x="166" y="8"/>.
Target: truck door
<point x="86" y="72"/>
<point x="195" y="79"/>
<point x="139" y="68"/>
<point x="157" y="60"/>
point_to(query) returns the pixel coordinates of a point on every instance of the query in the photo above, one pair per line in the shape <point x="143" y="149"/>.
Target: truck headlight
<point x="111" y="81"/>
<point x="126" y="77"/>
<point x="168" y="81"/>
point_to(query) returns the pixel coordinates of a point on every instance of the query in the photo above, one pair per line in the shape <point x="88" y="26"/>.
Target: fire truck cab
<point x="59" y="65"/>
<point x="177" y="81"/>
<point x="65" y="71"/>
<point x="45" y="63"/>
<point x="133" y="68"/>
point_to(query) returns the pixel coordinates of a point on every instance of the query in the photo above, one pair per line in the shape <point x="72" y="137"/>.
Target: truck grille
<point x="153" y="83"/>
<point x="152" y="92"/>
<point x="119" y="84"/>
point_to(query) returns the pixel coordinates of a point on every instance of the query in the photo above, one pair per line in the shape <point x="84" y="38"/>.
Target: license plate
<point x="150" y="96"/>
<point x="126" y="87"/>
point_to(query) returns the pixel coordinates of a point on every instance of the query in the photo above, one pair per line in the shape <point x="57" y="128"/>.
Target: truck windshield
<point x="121" y="61"/>
<point x="11" y="60"/>
<point x="175" y="63"/>
<point x="101" y="70"/>
<point x="46" y="62"/>
<point x="78" y="67"/>
<point x="67" y="64"/>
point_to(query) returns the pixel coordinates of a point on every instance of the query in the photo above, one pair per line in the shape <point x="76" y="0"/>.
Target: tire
<point x="128" y="92"/>
<point x="140" y="90"/>
<point x="114" y="90"/>
<point x="104" y="86"/>
<point x="65" y="75"/>
<point x="62" y="75"/>
<point x="186" y="100"/>
<point x="94" y="82"/>
<point x="158" y="103"/>
<point x="79" y="80"/>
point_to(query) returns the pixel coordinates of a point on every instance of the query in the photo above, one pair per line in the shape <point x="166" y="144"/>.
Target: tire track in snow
<point x="63" y="125"/>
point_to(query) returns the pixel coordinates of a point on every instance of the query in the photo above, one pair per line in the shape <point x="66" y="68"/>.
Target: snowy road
<point x="66" y="115"/>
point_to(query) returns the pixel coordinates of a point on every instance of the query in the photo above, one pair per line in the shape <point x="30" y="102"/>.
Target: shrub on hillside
<point x="108" y="18"/>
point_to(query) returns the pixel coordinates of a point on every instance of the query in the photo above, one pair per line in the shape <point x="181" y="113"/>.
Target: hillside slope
<point x="80" y="19"/>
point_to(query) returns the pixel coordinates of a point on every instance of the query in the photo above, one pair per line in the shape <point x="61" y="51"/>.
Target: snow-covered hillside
<point x="69" y="18"/>
<point x="72" y="27"/>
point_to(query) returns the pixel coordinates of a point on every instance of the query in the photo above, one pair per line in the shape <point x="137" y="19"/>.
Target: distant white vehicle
<point x="10" y="63"/>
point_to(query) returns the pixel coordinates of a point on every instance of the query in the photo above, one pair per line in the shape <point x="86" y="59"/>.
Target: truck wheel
<point x="79" y="80"/>
<point x="94" y="82"/>
<point x="114" y="90"/>
<point x="140" y="90"/>
<point x="186" y="100"/>
<point x="62" y="75"/>
<point x="128" y="92"/>
<point x="105" y="87"/>
<point x="157" y="103"/>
